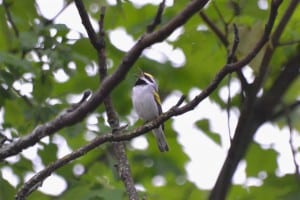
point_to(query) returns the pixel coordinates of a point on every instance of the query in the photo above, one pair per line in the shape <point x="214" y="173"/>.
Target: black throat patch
<point x="140" y="82"/>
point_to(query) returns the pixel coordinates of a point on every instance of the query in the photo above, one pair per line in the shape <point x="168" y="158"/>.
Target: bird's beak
<point x="139" y="74"/>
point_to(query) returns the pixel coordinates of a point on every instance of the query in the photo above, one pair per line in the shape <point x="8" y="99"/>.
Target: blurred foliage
<point x="32" y="55"/>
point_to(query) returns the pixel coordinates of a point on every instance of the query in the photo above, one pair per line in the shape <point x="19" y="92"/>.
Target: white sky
<point x="206" y="157"/>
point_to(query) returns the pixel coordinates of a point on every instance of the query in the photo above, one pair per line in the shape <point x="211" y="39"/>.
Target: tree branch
<point x="214" y="28"/>
<point x="70" y="118"/>
<point x="248" y="123"/>
<point x="157" y="19"/>
<point x="282" y="111"/>
<point x="123" y="166"/>
<point x="223" y="38"/>
<point x="87" y="24"/>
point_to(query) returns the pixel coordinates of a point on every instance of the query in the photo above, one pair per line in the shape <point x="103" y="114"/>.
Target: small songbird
<point x="146" y="103"/>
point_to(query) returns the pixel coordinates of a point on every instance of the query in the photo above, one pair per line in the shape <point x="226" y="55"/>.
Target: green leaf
<point x="28" y="40"/>
<point x="274" y="187"/>
<point x="42" y="86"/>
<point x="15" y="64"/>
<point x="11" y="118"/>
<point x="248" y="37"/>
<point x="23" y="13"/>
<point x="265" y="157"/>
<point x="6" y="190"/>
<point x="48" y="153"/>
<point x="24" y="165"/>
<point x="62" y="29"/>
<point x="204" y="125"/>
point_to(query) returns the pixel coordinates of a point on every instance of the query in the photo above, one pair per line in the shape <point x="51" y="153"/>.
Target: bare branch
<point x="214" y="28"/>
<point x="157" y="20"/>
<point x="231" y="55"/>
<point x="87" y="24"/>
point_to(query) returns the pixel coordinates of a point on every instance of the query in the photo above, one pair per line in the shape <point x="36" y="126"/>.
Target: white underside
<point x="144" y="102"/>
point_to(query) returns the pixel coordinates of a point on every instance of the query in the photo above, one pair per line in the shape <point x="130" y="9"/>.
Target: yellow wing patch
<point x="157" y="98"/>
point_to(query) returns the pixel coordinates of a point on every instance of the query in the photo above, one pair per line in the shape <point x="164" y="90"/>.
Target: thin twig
<point x="281" y="112"/>
<point x="214" y="28"/>
<point x="4" y="138"/>
<point x="62" y="10"/>
<point x="157" y="20"/>
<point x="291" y="142"/>
<point x="84" y="97"/>
<point x="231" y="58"/>
<point x="219" y="13"/>
<point x="231" y="55"/>
<point x="228" y="106"/>
<point x="87" y="24"/>
<point x="223" y="38"/>
<point x="294" y="42"/>
<point x="9" y="18"/>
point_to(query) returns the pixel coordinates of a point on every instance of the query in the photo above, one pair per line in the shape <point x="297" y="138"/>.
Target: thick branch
<point x="70" y="118"/>
<point x="253" y="114"/>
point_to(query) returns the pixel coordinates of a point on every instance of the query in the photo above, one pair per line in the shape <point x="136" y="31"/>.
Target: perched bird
<point x="146" y="103"/>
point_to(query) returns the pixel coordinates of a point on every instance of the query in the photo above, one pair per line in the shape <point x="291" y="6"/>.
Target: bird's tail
<point x="160" y="139"/>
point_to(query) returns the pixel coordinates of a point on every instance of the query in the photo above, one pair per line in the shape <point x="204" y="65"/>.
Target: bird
<point x="146" y="102"/>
